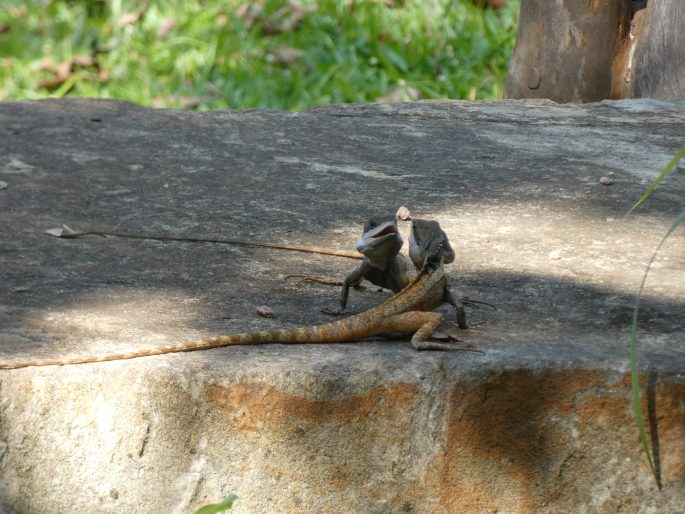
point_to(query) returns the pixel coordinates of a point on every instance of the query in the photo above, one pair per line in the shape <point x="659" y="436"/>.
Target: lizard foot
<point x="444" y="341"/>
<point x="332" y="312"/>
<point x="453" y="345"/>
<point x="472" y="324"/>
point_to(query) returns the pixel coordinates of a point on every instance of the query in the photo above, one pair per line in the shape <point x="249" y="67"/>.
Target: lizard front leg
<point x="458" y="306"/>
<point x="354" y="279"/>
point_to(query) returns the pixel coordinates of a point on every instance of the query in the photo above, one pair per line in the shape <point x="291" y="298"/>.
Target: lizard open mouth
<point x="377" y="239"/>
<point x="387" y="230"/>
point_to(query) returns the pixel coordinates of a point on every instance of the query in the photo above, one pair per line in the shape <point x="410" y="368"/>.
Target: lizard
<point x="416" y="254"/>
<point x="384" y="266"/>
<point x="409" y="311"/>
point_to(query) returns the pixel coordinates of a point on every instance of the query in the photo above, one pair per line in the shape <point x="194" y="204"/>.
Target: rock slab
<point x="533" y="196"/>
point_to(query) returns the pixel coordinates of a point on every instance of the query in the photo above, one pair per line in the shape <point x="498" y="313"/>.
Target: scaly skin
<point x="419" y="247"/>
<point x="383" y="265"/>
<point x="404" y="312"/>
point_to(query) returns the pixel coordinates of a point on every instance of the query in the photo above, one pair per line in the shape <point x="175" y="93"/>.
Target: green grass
<point x="215" y="508"/>
<point x="634" y="371"/>
<point x="273" y="54"/>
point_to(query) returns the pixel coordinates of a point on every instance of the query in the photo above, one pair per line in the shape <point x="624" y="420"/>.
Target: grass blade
<point x="218" y="507"/>
<point x="634" y="375"/>
<point x="676" y="159"/>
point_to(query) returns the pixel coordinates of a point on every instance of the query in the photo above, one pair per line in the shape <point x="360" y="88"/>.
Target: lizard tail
<point x="382" y="318"/>
<point x="336" y="332"/>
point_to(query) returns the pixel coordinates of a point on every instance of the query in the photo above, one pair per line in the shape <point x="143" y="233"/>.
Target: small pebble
<point x="265" y="312"/>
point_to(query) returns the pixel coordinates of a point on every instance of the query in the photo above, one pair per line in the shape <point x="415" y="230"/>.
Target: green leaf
<point x="634" y="375"/>
<point x="218" y="507"/>
<point x="676" y="159"/>
<point x="396" y="59"/>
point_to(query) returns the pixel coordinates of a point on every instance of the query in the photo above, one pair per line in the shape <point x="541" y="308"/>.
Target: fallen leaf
<point x="63" y="71"/>
<point x="166" y="27"/>
<point x="249" y="12"/>
<point x="285" y="55"/>
<point x="4" y="27"/>
<point x="83" y="60"/>
<point x="130" y="18"/>
<point x="287" y="18"/>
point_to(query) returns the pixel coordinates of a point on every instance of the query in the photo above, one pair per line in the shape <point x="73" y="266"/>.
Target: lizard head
<point x="428" y="245"/>
<point x="381" y="240"/>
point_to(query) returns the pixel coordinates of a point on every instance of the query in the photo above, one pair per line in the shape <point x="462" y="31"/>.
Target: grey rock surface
<point x="539" y="421"/>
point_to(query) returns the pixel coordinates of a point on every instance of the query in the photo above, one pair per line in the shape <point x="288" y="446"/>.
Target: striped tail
<point x="376" y="320"/>
<point x="349" y="329"/>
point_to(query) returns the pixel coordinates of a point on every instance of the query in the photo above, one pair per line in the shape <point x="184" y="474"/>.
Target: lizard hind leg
<point x="422" y="338"/>
<point x="420" y="323"/>
<point x="423" y="325"/>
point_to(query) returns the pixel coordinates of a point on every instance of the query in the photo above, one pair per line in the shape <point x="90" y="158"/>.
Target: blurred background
<point x="282" y="54"/>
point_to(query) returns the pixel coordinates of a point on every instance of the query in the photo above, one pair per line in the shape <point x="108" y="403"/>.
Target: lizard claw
<point x="471" y="324"/>
<point x="454" y="345"/>
<point x="475" y="303"/>
<point x="445" y="342"/>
